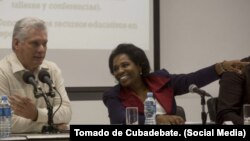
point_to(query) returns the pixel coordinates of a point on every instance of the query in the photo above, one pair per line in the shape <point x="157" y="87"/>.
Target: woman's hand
<point x="169" y="120"/>
<point x="230" y="66"/>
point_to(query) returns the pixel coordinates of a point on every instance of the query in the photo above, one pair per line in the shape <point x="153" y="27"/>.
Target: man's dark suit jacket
<point x="233" y="94"/>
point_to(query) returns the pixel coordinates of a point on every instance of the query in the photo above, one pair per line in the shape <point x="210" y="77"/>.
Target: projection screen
<point x="82" y="33"/>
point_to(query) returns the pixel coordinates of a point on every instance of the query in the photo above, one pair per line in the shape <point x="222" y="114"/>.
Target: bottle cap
<point x="150" y="94"/>
<point x="4" y="97"/>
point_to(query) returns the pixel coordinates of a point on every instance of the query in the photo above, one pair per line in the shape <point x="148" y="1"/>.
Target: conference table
<point x="38" y="137"/>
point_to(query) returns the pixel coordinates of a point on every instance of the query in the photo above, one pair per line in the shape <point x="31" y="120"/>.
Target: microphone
<point x="29" y="78"/>
<point x="44" y="77"/>
<point x="194" y="89"/>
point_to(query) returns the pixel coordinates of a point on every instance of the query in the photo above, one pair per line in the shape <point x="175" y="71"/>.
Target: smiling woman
<point x="130" y="67"/>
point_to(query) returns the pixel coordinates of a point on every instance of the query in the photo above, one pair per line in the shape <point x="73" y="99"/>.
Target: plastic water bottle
<point x="5" y="117"/>
<point x="150" y="109"/>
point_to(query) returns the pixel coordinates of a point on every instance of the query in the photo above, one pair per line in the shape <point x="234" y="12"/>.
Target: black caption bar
<point x="170" y="131"/>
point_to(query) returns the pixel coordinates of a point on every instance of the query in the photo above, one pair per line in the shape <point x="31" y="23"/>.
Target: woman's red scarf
<point x="156" y="84"/>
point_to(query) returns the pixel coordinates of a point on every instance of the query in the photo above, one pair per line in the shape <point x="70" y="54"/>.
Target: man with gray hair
<point x="30" y="113"/>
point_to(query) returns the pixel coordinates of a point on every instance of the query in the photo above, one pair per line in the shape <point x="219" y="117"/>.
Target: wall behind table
<point x="89" y="112"/>
<point x="87" y="105"/>
<point x="199" y="33"/>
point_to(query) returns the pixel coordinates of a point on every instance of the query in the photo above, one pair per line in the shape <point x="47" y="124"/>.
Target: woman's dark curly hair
<point x="136" y="54"/>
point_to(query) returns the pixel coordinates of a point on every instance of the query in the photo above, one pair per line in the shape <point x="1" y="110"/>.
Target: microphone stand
<point x="203" y="112"/>
<point x="50" y="128"/>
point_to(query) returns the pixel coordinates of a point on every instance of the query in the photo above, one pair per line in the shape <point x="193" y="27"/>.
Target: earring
<point x="140" y="73"/>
